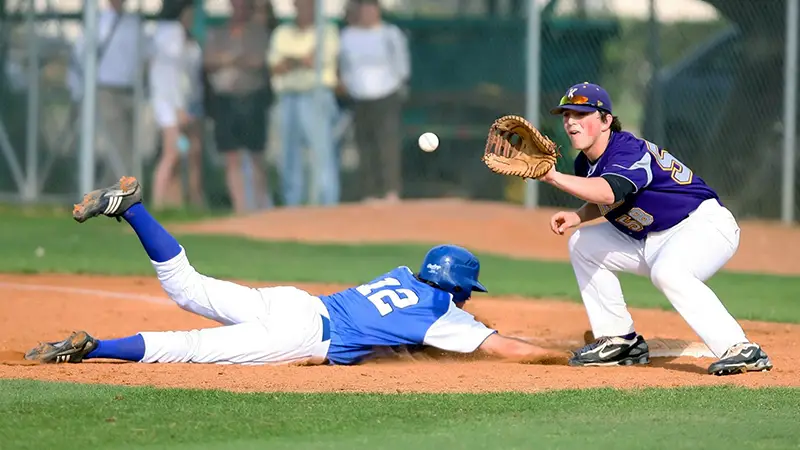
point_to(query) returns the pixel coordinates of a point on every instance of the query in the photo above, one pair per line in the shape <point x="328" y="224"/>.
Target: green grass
<point x="106" y="247"/>
<point x="55" y="415"/>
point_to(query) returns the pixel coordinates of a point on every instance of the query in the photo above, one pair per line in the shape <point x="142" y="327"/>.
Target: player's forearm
<point x="519" y="351"/>
<point x="531" y="354"/>
<point x="588" y="212"/>
<point x="592" y="190"/>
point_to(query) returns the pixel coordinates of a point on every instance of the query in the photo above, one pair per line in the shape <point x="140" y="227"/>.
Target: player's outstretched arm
<point x="517" y="350"/>
<point x="458" y="331"/>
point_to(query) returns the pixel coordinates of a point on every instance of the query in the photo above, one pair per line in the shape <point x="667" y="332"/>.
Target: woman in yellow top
<point x="305" y="123"/>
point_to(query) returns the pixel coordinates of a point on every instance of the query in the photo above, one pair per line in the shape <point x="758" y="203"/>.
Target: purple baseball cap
<point x="584" y="97"/>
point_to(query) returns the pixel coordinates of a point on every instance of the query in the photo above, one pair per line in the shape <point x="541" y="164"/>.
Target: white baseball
<point x="428" y="142"/>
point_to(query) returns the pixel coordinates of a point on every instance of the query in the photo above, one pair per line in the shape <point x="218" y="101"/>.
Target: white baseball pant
<point x="277" y="325"/>
<point x="678" y="261"/>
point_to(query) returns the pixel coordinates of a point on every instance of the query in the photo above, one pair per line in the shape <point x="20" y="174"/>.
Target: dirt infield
<point x="47" y="307"/>
<point x="116" y="307"/>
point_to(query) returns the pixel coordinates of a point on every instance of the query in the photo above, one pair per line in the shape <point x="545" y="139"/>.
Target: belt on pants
<point x="326" y="328"/>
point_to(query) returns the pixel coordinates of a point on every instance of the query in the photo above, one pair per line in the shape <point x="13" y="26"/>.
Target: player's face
<point x="582" y="128"/>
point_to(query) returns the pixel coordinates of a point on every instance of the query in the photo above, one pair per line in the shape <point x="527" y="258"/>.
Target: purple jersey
<point x="666" y="191"/>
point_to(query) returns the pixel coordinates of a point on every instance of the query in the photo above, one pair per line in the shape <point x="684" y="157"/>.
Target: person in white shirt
<point x="118" y="38"/>
<point x="176" y="95"/>
<point x="375" y="69"/>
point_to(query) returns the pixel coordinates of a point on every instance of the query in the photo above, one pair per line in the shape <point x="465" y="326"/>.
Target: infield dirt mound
<point x="480" y="226"/>
<point x="43" y="308"/>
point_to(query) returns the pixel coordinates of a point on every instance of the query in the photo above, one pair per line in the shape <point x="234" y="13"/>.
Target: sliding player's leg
<point x="222" y="301"/>
<point x="295" y="329"/>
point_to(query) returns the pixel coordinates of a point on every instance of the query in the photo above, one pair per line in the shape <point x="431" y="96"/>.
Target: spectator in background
<point x="375" y="69"/>
<point x="303" y="121"/>
<point x="235" y="63"/>
<point x="118" y="36"/>
<point x="176" y="93"/>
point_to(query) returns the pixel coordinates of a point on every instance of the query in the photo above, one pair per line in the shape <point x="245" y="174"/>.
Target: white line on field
<point x="82" y="291"/>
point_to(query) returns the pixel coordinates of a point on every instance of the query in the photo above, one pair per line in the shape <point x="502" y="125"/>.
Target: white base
<point x="672" y="348"/>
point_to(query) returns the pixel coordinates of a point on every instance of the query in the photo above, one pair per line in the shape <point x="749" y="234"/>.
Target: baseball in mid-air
<point x="428" y="142"/>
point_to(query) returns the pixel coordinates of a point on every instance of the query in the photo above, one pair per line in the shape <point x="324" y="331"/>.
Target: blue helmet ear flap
<point x="453" y="269"/>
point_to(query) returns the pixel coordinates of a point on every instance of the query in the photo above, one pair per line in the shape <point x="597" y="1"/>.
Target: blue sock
<point x="629" y="336"/>
<point x="157" y="242"/>
<point x="130" y="348"/>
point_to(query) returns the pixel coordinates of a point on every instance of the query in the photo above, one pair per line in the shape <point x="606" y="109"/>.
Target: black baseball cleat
<point x="612" y="351"/>
<point x="741" y="358"/>
<point x="70" y="350"/>
<point x="112" y="201"/>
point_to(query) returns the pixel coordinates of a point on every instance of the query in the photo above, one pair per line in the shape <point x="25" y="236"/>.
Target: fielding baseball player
<point x="662" y="222"/>
<point x="286" y="325"/>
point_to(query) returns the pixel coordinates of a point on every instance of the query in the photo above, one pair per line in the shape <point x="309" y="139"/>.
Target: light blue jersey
<point x="396" y="309"/>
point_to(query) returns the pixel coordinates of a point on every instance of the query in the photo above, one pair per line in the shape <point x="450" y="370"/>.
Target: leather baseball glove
<point x="515" y="147"/>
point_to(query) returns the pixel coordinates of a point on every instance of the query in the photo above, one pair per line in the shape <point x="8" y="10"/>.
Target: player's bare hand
<point x="562" y="221"/>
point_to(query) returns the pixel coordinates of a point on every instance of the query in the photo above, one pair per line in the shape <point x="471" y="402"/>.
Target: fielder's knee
<point x="668" y="276"/>
<point x="178" y="279"/>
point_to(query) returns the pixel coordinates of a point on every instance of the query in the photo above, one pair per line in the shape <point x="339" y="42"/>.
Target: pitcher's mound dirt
<point x="44" y="308"/>
<point x="478" y="226"/>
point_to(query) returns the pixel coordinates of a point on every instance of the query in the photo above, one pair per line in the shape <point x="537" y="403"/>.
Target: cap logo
<point x="571" y="92"/>
<point x="433" y="268"/>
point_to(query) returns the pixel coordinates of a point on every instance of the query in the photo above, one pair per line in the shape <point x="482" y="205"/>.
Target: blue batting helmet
<point x="453" y="269"/>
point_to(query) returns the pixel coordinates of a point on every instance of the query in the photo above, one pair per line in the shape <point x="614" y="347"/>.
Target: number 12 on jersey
<point x="381" y="291"/>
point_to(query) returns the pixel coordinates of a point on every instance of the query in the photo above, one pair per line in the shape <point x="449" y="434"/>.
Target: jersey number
<point x="636" y="219"/>
<point x="680" y="173"/>
<point x="400" y="298"/>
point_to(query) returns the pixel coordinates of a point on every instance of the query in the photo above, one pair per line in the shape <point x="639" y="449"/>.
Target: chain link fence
<point x="35" y="143"/>
<point x="705" y="83"/>
<point x="40" y="107"/>
<point x="704" y="79"/>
